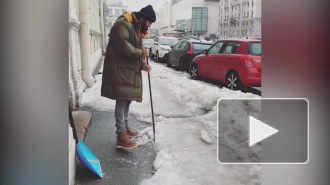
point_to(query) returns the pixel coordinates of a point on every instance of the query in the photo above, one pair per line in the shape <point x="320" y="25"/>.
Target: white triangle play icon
<point x="259" y="131"/>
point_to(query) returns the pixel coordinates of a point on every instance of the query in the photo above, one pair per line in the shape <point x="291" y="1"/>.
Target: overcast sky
<point x="136" y="5"/>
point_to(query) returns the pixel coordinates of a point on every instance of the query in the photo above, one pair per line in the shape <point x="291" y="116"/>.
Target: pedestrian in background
<point x="124" y="60"/>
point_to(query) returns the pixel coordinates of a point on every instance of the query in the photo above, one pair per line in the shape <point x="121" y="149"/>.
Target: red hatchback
<point x="237" y="63"/>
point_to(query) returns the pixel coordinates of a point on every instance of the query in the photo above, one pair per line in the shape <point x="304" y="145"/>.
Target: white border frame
<point x="305" y="99"/>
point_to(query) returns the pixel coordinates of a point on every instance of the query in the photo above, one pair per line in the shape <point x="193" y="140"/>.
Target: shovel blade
<point x="88" y="159"/>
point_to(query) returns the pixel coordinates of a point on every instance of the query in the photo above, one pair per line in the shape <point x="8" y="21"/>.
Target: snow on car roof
<point x="162" y="37"/>
<point x="240" y="40"/>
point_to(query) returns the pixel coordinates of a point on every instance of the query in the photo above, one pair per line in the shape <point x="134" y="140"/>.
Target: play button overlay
<point x="263" y="131"/>
<point x="259" y="131"/>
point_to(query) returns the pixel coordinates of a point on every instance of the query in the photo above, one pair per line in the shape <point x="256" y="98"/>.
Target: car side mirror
<point x="204" y="51"/>
<point x="172" y="47"/>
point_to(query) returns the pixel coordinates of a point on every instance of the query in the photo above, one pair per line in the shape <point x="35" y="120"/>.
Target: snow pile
<point x="196" y="96"/>
<point x="234" y="128"/>
<point x="145" y="137"/>
<point x="206" y="137"/>
<point x="92" y="97"/>
<point x="185" y="159"/>
<point x="161" y="157"/>
<point x="149" y="119"/>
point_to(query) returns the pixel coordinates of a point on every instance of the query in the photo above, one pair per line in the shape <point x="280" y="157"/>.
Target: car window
<point x="254" y="49"/>
<point x="231" y="47"/>
<point x="215" y="49"/>
<point x="176" y="46"/>
<point x="200" y="47"/>
<point x="183" y="45"/>
<point x="167" y="41"/>
<point x="147" y="41"/>
<point x="187" y="46"/>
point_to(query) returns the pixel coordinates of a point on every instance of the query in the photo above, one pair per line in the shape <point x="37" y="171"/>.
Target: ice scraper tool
<point x="152" y="107"/>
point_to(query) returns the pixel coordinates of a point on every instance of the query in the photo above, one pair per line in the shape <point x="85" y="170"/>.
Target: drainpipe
<point x="102" y="27"/>
<point x="86" y="69"/>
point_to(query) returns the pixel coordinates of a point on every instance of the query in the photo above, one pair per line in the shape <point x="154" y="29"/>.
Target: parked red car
<point x="237" y="63"/>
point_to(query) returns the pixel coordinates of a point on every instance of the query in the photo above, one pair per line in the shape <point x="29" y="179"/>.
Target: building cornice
<point x="94" y="32"/>
<point x="74" y="24"/>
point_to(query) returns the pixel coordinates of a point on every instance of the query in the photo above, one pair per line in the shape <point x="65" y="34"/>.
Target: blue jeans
<point x="121" y="114"/>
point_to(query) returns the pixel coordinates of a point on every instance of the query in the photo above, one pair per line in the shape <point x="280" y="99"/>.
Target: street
<point x="184" y="109"/>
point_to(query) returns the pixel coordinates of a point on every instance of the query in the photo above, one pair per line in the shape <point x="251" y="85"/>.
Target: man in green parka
<point x="124" y="60"/>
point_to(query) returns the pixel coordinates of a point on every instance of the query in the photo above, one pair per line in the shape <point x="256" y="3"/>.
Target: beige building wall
<point x="76" y="84"/>
<point x="95" y="32"/>
<point x="92" y="22"/>
<point x="163" y="19"/>
<point x="213" y="17"/>
<point x="77" y="56"/>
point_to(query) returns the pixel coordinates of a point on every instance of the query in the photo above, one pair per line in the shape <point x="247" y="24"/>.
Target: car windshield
<point x="169" y="42"/>
<point x="201" y="47"/>
<point x="147" y="41"/>
<point x="254" y="48"/>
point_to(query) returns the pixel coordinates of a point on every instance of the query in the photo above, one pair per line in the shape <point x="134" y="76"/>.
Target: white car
<point x="161" y="46"/>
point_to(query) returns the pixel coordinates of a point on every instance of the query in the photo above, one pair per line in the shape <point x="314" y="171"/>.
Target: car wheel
<point x="181" y="64"/>
<point x="194" y="72"/>
<point x="168" y="64"/>
<point x="157" y="57"/>
<point x="233" y="81"/>
<point x="151" y="55"/>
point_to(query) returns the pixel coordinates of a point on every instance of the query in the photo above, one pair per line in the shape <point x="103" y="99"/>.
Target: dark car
<point x="184" y="52"/>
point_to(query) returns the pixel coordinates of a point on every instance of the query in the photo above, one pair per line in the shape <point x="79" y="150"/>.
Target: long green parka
<point x="122" y="63"/>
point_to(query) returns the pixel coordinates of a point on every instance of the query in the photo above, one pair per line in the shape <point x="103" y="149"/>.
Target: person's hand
<point x="146" y="67"/>
<point x="145" y="53"/>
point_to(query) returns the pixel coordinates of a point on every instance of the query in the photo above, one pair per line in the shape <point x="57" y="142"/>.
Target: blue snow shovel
<point x="85" y="155"/>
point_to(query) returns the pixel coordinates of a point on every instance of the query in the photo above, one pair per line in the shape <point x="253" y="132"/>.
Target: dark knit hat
<point x="148" y="13"/>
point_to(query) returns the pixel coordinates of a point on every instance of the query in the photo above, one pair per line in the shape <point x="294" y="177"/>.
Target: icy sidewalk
<point x="118" y="166"/>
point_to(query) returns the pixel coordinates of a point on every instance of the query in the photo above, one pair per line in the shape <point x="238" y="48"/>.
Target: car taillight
<point x="190" y="50"/>
<point x="248" y="62"/>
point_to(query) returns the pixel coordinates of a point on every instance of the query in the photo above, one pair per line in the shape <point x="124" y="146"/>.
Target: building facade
<point x="163" y="19"/>
<point x="106" y="27"/>
<point x="85" y="46"/>
<point x="176" y="15"/>
<point x="213" y="16"/>
<point x="237" y="17"/>
<point x="199" y="20"/>
<point x="225" y="18"/>
<point x="115" y="9"/>
<point x="85" y="56"/>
